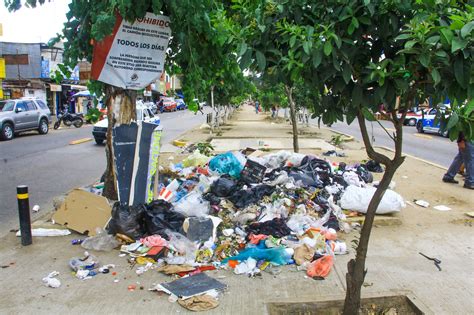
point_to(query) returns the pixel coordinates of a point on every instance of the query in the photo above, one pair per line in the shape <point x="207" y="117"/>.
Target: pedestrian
<point x="199" y="109"/>
<point x="257" y="107"/>
<point x="465" y="155"/>
<point x="273" y="111"/>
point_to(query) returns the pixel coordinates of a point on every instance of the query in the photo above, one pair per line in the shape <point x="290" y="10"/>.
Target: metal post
<point x="24" y="214"/>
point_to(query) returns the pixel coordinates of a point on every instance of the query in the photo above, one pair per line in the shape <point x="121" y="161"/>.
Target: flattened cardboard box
<point x="83" y="212"/>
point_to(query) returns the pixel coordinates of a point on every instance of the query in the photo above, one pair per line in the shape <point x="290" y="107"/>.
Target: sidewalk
<point x="393" y="261"/>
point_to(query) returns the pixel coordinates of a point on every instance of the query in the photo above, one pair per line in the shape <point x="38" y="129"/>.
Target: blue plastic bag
<point x="275" y="255"/>
<point x="226" y="163"/>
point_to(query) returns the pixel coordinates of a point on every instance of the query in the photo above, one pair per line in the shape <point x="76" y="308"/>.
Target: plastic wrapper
<point x="226" y="163"/>
<point x="275" y="160"/>
<point x="127" y="220"/>
<point x="196" y="159"/>
<point x="183" y="246"/>
<point x="101" y="241"/>
<point x="193" y="205"/>
<point x="358" y="199"/>
<point x="160" y="217"/>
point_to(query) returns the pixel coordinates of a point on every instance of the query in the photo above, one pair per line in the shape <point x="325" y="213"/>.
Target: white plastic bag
<point x="358" y="199"/>
<point x="352" y="178"/>
<point x="192" y="205"/>
<point x="101" y="241"/>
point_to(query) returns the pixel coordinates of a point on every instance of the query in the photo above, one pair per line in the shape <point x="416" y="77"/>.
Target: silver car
<point x="19" y="115"/>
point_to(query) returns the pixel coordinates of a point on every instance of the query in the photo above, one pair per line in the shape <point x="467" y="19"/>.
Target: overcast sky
<point x="33" y="25"/>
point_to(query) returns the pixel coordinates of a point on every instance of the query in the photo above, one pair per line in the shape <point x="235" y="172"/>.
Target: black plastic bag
<point x="364" y="174"/>
<point x="127" y="220"/>
<point x="159" y="217"/>
<point x="374" y="166"/>
<point x="223" y="187"/>
<point x="246" y="197"/>
<point x="213" y="199"/>
<point x="276" y="227"/>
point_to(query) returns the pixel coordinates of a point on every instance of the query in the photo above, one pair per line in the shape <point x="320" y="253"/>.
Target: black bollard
<point x="24" y="213"/>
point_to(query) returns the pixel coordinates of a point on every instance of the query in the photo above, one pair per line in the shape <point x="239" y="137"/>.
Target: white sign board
<point x="134" y="55"/>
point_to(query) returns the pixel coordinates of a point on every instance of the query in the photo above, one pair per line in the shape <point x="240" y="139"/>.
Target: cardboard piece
<point x="253" y="172"/>
<point x="191" y="286"/>
<point x="83" y="212"/>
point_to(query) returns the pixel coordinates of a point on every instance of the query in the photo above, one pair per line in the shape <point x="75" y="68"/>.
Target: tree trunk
<point x="356" y="268"/>
<point x="289" y="93"/>
<point x="121" y="109"/>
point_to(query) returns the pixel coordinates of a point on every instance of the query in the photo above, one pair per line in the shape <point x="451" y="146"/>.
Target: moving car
<point x="144" y="113"/>
<point x="18" y="115"/>
<point x="427" y="123"/>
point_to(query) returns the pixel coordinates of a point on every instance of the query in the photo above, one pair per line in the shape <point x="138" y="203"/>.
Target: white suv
<point x="19" y="115"/>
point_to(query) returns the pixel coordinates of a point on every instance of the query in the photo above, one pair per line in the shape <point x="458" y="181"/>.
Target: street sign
<point x="134" y="55"/>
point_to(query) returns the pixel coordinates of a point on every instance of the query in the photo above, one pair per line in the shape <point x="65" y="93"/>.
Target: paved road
<point x="50" y="166"/>
<point x="427" y="146"/>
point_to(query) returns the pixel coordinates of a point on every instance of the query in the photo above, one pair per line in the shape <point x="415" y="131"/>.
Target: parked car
<point x="168" y="105"/>
<point x="427" y="123"/>
<point x="181" y="105"/>
<point x="18" y="115"/>
<point x="144" y="113"/>
<point x="411" y="117"/>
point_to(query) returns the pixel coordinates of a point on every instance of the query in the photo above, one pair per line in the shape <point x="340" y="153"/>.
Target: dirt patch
<point x="387" y="305"/>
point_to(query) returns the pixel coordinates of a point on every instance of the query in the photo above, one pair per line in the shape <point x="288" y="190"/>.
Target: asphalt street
<point x="427" y="146"/>
<point x="50" y="166"/>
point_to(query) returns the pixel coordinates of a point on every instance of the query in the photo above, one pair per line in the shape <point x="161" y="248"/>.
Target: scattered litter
<point x="51" y="280"/>
<point x="422" y="203"/>
<point x="442" y="208"/>
<point x="247" y="212"/>
<point x="36" y="208"/>
<point x="436" y="261"/>
<point x="47" y="232"/>
<point x="470" y="214"/>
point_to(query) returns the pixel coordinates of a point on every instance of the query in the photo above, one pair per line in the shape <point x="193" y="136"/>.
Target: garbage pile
<point x="247" y="213"/>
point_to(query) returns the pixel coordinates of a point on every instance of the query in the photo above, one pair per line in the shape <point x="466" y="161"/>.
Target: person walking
<point x="257" y="107"/>
<point x="465" y="155"/>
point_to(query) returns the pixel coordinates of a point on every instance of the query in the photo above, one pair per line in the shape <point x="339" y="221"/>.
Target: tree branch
<point x="368" y="146"/>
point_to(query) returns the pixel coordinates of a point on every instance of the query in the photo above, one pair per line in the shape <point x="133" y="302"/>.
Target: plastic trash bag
<point x="160" y="217"/>
<point x="275" y="160"/>
<point x="358" y="199"/>
<point x="294" y="160"/>
<point x="127" y="220"/>
<point x="245" y="197"/>
<point x="192" y="205"/>
<point x="320" y="267"/>
<point x="196" y="159"/>
<point x="364" y="174"/>
<point x="352" y="178"/>
<point x="223" y="187"/>
<point x="299" y="223"/>
<point x="226" y="163"/>
<point x="374" y="166"/>
<point x="101" y="241"/>
<point x="182" y="245"/>
<point x="275" y="255"/>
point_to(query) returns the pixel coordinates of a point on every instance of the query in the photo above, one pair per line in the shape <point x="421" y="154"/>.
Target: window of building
<point x="17" y="59"/>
